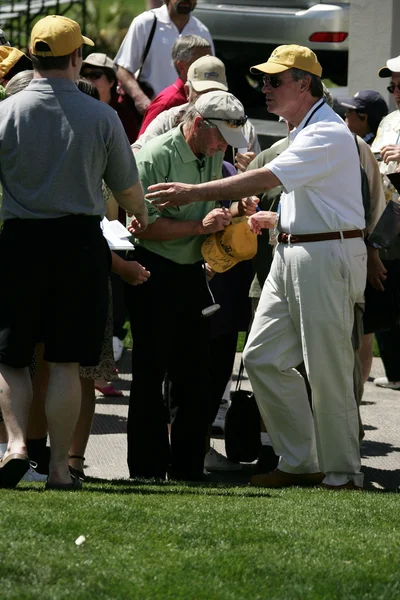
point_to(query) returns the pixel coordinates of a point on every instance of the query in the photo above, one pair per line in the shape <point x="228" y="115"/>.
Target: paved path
<point x="106" y="452"/>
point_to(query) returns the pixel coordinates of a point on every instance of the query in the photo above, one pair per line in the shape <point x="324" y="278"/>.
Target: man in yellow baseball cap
<point x="290" y="56"/>
<point x="56" y="35"/>
<point x="57" y="145"/>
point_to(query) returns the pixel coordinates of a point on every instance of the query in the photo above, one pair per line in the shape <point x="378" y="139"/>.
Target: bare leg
<point x="63" y="402"/>
<point x="15" y="401"/>
<point x="366" y="355"/>
<point x="84" y="424"/>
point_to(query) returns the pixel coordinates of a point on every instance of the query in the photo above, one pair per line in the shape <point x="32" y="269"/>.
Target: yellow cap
<point x="290" y="56"/>
<point x="8" y="58"/>
<point x="224" y="249"/>
<point x="61" y="34"/>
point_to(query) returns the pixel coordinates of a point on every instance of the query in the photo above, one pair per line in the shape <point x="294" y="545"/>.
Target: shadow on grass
<point x="153" y="487"/>
<point x="388" y="482"/>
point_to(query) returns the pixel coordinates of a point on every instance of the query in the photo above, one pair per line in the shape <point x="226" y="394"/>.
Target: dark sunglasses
<point x="390" y="88"/>
<point x="273" y="80"/>
<point x="234" y="123"/>
<point x="92" y="74"/>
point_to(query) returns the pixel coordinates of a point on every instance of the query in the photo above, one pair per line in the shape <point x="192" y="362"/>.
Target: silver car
<point x="246" y="31"/>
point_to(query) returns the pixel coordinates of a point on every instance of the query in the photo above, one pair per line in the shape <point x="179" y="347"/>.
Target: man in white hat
<point x="176" y="339"/>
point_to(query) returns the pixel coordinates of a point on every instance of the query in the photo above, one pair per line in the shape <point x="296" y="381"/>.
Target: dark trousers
<point x="120" y="312"/>
<point x="389" y="348"/>
<point x="382" y="316"/>
<point x="169" y="335"/>
<point x="222" y="359"/>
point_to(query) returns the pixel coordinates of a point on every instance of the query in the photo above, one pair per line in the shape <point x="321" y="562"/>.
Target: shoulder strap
<point x="241" y="367"/>
<point x="358" y="147"/>
<point x="240" y="375"/>
<point x="148" y="45"/>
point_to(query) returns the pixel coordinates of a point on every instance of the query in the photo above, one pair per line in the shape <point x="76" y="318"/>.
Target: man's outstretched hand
<point x="163" y="195"/>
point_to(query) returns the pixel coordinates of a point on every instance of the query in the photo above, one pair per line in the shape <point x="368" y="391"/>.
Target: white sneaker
<point x="32" y="475"/>
<point x="385" y="383"/>
<point x="118" y="348"/>
<point x="215" y="461"/>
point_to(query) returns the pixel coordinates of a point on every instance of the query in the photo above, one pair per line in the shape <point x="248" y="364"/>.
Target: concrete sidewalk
<point x="106" y="452"/>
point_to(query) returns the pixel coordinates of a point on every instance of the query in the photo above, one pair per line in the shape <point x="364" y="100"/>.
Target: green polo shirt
<point x="169" y="158"/>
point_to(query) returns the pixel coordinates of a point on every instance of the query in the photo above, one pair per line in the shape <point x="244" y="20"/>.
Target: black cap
<point x="368" y="102"/>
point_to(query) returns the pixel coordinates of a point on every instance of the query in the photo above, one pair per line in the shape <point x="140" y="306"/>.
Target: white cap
<point x="98" y="59"/>
<point x="226" y="112"/>
<point x="392" y="66"/>
<point x="207" y="73"/>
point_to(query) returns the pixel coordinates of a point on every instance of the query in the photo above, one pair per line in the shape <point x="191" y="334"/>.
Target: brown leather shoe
<point x="279" y="479"/>
<point x="350" y="485"/>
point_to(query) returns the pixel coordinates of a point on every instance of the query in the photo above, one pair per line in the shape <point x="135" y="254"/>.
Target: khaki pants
<point x="306" y="312"/>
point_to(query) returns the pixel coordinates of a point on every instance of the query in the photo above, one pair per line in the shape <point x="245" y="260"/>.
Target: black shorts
<point x="54" y="289"/>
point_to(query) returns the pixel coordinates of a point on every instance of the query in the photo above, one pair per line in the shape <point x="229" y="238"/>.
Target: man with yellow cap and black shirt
<point x="318" y="274"/>
<point x="56" y="147"/>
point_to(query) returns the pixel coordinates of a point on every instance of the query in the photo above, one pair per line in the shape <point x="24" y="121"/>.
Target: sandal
<point x="77" y="472"/>
<point x="76" y="484"/>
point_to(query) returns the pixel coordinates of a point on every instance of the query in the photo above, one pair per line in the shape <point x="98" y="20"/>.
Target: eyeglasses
<point x="272" y="80"/>
<point x="92" y="74"/>
<point x="391" y="88"/>
<point x="234" y="123"/>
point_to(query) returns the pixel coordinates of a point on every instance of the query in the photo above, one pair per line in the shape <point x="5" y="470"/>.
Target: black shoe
<point x="197" y="477"/>
<point x="267" y="461"/>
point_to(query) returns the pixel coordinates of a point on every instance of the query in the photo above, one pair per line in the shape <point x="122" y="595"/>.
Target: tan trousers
<point x="306" y="313"/>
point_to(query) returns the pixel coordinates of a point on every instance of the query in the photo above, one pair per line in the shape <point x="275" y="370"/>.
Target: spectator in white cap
<point x="99" y="68"/>
<point x="176" y="337"/>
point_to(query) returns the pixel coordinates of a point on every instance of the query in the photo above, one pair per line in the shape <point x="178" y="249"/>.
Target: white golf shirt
<point x="158" y="70"/>
<point x="320" y="174"/>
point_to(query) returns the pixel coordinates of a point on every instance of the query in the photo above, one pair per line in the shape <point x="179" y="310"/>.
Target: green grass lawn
<point x="193" y="543"/>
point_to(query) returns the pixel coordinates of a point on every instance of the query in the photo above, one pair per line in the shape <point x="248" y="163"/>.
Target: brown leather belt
<point x="287" y="238"/>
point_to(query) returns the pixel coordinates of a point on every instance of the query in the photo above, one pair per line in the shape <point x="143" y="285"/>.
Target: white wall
<point x="374" y="37"/>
